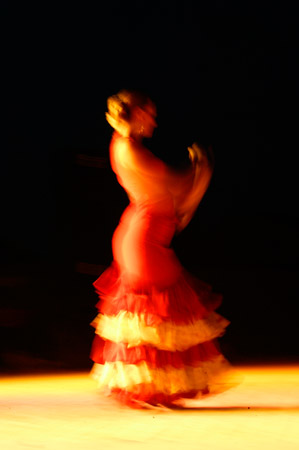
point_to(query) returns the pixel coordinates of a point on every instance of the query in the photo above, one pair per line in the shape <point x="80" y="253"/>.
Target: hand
<point x="196" y="154"/>
<point x="199" y="155"/>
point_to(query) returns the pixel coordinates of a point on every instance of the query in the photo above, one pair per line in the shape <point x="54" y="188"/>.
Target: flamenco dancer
<point x="156" y="327"/>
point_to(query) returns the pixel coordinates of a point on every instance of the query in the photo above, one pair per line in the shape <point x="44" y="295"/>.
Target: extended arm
<point x="202" y="173"/>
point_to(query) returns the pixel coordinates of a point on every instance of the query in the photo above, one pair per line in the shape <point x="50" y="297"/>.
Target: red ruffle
<point x="187" y="300"/>
<point x="145" y="394"/>
<point x="107" y="351"/>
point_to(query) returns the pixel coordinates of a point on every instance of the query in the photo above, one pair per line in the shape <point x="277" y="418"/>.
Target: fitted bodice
<point x="150" y="183"/>
<point x="143" y="176"/>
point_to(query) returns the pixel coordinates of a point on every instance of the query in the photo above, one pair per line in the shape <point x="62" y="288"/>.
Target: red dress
<point x="156" y="327"/>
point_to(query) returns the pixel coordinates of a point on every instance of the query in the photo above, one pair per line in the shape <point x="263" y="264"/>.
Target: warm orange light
<point x="65" y="412"/>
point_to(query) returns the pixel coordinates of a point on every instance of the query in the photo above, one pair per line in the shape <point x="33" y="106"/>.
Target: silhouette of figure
<point x="157" y="325"/>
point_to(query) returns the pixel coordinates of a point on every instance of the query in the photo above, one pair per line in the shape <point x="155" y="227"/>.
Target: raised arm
<point x="202" y="169"/>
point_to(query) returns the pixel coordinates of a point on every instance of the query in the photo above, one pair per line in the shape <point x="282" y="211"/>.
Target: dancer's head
<point x="131" y="113"/>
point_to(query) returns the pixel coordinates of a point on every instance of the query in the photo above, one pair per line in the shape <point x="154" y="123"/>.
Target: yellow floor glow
<point x="66" y="412"/>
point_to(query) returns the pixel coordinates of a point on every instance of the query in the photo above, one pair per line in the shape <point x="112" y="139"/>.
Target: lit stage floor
<point x="65" y="412"/>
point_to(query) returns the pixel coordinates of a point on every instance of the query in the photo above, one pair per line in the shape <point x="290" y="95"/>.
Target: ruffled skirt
<point x="156" y="345"/>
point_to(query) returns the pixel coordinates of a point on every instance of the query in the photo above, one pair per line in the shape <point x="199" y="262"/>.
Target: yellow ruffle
<point x="131" y="328"/>
<point x="168" y="380"/>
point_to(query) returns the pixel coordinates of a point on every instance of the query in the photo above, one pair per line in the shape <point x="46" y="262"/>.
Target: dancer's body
<point x="156" y="327"/>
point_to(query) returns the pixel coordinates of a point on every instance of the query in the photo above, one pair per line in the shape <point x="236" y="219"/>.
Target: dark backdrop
<point x="221" y="73"/>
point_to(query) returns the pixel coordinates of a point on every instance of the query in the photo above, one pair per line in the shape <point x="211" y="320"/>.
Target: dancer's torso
<point x="142" y="239"/>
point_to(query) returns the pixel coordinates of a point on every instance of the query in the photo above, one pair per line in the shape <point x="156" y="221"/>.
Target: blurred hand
<point x="199" y="155"/>
<point x="196" y="154"/>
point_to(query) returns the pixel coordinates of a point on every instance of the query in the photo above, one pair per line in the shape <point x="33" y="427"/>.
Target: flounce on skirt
<point x="156" y="346"/>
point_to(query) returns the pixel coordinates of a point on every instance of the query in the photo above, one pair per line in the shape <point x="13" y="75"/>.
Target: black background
<point x="221" y="73"/>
